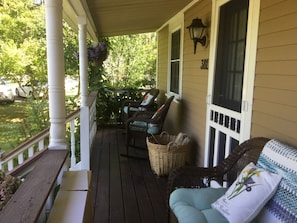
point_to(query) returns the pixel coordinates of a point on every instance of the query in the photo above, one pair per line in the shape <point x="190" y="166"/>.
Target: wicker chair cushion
<point x="194" y="205"/>
<point x="280" y="158"/>
<point x="147" y="99"/>
<point x="140" y="126"/>
<point x="133" y="109"/>
<point x="245" y="198"/>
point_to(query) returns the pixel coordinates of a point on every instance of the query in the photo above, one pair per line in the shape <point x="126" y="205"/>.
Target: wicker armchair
<point x="226" y="171"/>
<point x="145" y="123"/>
<point x="129" y="107"/>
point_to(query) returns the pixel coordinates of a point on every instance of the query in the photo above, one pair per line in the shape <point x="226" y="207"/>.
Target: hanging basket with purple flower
<point x="98" y="53"/>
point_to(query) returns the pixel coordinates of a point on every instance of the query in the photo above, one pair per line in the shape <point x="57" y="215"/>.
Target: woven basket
<point x="165" y="155"/>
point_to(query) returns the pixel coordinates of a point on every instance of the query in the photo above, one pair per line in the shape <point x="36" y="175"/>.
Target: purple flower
<point x="98" y="52"/>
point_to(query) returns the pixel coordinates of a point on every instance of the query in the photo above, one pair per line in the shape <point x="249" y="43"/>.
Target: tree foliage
<point x="70" y="41"/>
<point x="132" y="60"/>
<point x="22" y="43"/>
<point x="130" y="64"/>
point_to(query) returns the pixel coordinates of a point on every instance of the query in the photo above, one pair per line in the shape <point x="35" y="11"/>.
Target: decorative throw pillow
<point x="279" y="157"/>
<point x="248" y="194"/>
<point x="146" y="100"/>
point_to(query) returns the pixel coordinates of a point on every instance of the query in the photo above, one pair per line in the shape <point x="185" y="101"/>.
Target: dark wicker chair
<point x="145" y="123"/>
<point x="129" y="107"/>
<point x="226" y="171"/>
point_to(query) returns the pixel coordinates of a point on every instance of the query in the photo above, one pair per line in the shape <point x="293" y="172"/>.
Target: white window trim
<point x="179" y="24"/>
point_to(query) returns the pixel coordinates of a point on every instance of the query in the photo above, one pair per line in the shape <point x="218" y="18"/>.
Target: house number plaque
<point x="204" y="64"/>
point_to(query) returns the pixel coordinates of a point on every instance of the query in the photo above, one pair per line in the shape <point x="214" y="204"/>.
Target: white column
<point x="83" y="59"/>
<point x="85" y="111"/>
<point x="56" y="75"/>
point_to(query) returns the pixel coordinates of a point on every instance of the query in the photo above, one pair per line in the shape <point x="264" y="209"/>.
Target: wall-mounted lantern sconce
<point x="196" y="30"/>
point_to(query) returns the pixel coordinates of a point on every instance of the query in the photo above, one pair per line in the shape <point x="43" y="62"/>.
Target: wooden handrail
<point x="72" y="115"/>
<point x="28" y="202"/>
<point x="24" y="168"/>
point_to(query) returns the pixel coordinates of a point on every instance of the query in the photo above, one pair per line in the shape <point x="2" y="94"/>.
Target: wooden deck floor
<point x="124" y="190"/>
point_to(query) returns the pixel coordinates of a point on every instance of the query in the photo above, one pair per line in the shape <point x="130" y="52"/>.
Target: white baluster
<point x="10" y="165"/>
<point x="20" y="158"/>
<point x="31" y="151"/>
<point x="72" y="143"/>
<point x="41" y="145"/>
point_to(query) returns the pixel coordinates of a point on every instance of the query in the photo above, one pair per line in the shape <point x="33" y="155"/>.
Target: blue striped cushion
<point x="133" y="109"/>
<point x="280" y="158"/>
<point x="151" y="129"/>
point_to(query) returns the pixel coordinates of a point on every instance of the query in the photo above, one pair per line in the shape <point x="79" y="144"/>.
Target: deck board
<point x="100" y="174"/>
<point x="125" y="190"/>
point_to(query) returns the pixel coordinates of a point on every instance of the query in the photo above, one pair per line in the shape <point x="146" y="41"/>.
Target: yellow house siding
<point x="189" y="114"/>
<point x="162" y="60"/>
<point x="195" y="80"/>
<point x="275" y="95"/>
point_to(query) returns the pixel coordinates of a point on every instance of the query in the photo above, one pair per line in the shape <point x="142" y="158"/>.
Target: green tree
<point x="132" y="60"/>
<point x="131" y="64"/>
<point x="22" y="43"/>
<point x="70" y="41"/>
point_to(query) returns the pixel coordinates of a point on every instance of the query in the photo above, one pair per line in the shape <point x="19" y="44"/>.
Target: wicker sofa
<point x="271" y="155"/>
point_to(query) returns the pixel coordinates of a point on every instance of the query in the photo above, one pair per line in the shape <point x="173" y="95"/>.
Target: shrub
<point x="8" y="186"/>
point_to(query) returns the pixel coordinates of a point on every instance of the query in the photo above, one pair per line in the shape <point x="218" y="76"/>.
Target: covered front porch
<point x="124" y="189"/>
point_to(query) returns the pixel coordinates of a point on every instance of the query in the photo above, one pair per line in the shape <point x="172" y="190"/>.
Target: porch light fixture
<point x="196" y="30"/>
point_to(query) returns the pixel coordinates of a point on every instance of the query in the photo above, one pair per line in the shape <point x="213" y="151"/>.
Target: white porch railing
<point x="88" y="125"/>
<point x="37" y="190"/>
<point x="19" y="161"/>
<point x="29" y="150"/>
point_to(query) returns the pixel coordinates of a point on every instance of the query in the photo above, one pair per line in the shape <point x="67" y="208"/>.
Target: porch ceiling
<point x="122" y="17"/>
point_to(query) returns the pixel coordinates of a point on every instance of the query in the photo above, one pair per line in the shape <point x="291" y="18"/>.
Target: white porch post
<point x="84" y="108"/>
<point x="83" y="59"/>
<point x="56" y="75"/>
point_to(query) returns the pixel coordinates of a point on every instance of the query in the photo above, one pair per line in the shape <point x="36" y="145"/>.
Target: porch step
<point x="73" y="201"/>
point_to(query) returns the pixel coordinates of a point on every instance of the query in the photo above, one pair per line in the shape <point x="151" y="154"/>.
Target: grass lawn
<point x="14" y="124"/>
<point x="11" y="118"/>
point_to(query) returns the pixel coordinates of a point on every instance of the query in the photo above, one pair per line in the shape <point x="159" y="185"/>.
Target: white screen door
<point x="230" y="88"/>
